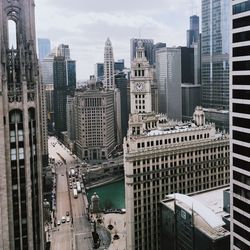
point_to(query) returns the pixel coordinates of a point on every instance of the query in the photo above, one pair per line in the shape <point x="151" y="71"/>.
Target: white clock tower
<point x="140" y="82"/>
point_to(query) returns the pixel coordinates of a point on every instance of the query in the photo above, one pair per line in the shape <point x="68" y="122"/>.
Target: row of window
<point x="241" y="7"/>
<point x="241" y="122"/>
<point x="241" y="22"/>
<point x="241" y="108"/>
<point x="242" y="232"/>
<point x="241" y="191"/>
<point x="172" y="140"/>
<point x="180" y="155"/>
<point x="241" y="136"/>
<point x="241" y="150"/>
<point x="139" y="72"/>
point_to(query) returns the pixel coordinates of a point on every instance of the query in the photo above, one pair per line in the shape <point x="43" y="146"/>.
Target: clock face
<point x="139" y="86"/>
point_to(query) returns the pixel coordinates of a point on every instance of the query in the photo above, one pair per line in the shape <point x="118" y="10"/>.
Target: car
<point x="68" y="219"/>
<point x="67" y="213"/>
<point x="63" y="219"/>
<point x="58" y="223"/>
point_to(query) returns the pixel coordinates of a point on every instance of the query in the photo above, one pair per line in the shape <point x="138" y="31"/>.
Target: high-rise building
<point x="119" y="65"/>
<point x="95" y="122"/>
<point x="121" y="83"/>
<point x="155" y="48"/>
<point x="44" y="48"/>
<point x="191" y="98"/>
<point x="215" y="57"/>
<point x="168" y="75"/>
<point x="109" y="71"/>
<point x="187" y="65"/>
<point x="63" y="50"/>
<point x="240" y="125"/>
<point x="99" y="71"/>
<point x="49" y="92"/>
<point x="71" y="119"/>
<point x="47" y="69"/>
<point x="21" y="198"/>
<point x="193" y="222"/>
<point x="148" y="45"/>
<point x="194" y="31"/>
<point x="64" y="79"/>
<point x="161" y="157"/>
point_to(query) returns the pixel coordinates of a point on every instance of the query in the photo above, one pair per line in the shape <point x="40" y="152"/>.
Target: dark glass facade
<point x="64" y="72"/>
<point x="121" y="83"/>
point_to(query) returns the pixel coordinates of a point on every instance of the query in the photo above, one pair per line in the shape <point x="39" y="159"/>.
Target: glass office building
<point x="215" y="54"/>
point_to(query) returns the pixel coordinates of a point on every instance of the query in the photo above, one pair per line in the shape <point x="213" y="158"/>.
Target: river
<point x="111" y="195"/>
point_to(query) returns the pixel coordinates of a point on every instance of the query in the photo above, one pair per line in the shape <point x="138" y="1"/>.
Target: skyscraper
<point x="109" y="71"/>
<point x="21" y="211"/>
<point x="168" y="74"/>
<point x="155" y="48"/>
<point x="240" y="125"/>
<point x="194" y="32"/>
<point x="215" y="58"/>
<point x="64" y="73"/>
<point x="119" y="65"/>
<point x="148" y="45"/>
<point x="63" y="50"/>
<point x="99" y="71"/>
<point x="44" y="48"/>
<point x="121" y="83"/>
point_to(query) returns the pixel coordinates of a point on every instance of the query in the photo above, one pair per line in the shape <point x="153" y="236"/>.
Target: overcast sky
<point x="86" y="24"/>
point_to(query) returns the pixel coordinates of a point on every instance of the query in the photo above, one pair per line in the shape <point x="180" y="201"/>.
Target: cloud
<point x="85" y="25"/>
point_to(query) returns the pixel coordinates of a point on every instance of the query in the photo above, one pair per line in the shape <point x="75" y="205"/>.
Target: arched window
<point x="12" y="34"/>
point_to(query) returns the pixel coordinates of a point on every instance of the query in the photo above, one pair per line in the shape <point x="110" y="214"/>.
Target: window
<point x="12" y="136"/>
<point x="241" y="22"/>
<point x="12" y="34"/>
<point x="241" y="108"/>
<point x="241" y="7"/>
<point x="20" y="135"/>
<point x="241" y="122"/>
<point x="241" y="94"/>
<point x="241" y="36"/>
<point x="241" y="51"/>
<point x="13" y="154"/>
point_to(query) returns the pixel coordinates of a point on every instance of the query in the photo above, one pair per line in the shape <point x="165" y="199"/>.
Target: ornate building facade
<point x="21" y="216"/>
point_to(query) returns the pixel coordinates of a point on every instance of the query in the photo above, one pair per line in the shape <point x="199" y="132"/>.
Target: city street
<point x="67" y="236"/>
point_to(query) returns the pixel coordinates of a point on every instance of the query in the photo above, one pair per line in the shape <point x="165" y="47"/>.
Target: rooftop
<point x="207" y="208"/>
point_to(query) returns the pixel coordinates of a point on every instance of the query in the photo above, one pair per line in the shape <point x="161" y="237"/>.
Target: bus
<point x="78" y="186"/>
<point x="75" y="193"/>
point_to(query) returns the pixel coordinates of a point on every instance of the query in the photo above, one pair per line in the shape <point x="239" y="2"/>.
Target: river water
<point x="111" y="195"/>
